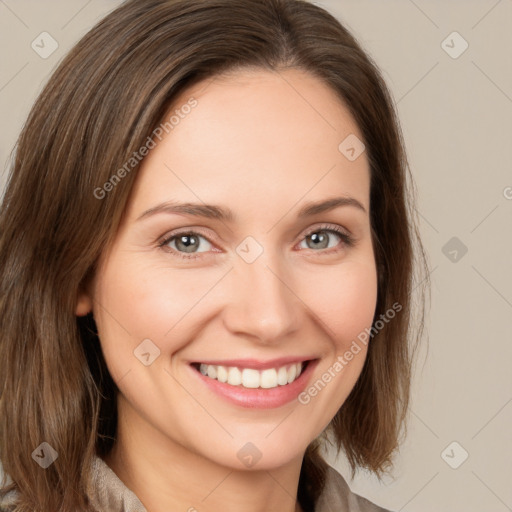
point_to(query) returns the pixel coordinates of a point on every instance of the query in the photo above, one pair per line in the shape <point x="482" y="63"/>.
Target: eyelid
<point x="184" y="231"/>
<point x="327" y="227"/>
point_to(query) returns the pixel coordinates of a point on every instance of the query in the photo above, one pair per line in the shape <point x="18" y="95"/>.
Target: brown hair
<point x="99" y="107"/>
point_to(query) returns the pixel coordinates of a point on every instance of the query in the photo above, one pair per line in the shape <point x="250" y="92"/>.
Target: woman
<point x="208" y="243"/>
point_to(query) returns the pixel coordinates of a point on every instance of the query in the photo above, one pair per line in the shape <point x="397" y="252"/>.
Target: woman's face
<point x="253" y="292"/>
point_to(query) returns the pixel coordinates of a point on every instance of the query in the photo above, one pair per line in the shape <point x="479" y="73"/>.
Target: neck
<point x="165" y="475"/>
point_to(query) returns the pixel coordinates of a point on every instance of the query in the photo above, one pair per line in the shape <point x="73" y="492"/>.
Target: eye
<point x="321" y="237"/>
<point x="186" y="244"/>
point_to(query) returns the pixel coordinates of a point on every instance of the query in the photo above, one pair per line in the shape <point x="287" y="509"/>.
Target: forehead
<point x="254" y="138"/>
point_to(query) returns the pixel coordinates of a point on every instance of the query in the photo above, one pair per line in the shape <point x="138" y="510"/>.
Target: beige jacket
<point x="109" y="494"/>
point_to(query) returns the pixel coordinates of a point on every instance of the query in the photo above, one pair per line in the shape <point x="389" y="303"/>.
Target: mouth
<point x="256" y="385"/>
<point x="252" y="378"/>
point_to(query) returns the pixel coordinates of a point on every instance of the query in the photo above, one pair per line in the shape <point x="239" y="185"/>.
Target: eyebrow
<point x="211" y="211"/>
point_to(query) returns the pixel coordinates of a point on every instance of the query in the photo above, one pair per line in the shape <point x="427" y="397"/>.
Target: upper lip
<point x="255" y="363"/>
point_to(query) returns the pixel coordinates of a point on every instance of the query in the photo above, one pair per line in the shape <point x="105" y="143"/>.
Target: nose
<point x="262" y="303"/>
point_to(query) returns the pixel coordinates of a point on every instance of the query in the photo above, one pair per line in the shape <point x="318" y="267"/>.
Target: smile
<point x="253" y="384"/>
<point x="252" y="378"/>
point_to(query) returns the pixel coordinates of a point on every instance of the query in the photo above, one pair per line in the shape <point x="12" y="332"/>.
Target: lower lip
<point x="259" y="398"/>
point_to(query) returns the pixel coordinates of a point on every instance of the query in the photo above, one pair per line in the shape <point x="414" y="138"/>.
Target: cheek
<point x="135" y="302"/>
<point x="344" y="305"/>
<point x="343" y="298"/>
<point x="137" y="299"/>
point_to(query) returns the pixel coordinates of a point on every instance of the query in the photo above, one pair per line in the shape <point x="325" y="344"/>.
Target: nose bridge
<point x="261" y="303"/>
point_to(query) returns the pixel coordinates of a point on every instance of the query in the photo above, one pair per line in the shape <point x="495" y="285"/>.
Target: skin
<point x="262" y="144"/>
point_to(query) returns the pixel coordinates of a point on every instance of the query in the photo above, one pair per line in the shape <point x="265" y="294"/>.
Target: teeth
<point x="282" y="376"/>
<point x="251" y="378"/>
<point x="234" y="376"/>
<point x="292" y="372"/>
<point x="222" y="374"/>
<point x="212" y="372"/>
<point x="268" y="378"/>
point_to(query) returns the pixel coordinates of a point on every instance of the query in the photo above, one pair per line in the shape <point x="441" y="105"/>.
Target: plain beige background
<point x="456" y="112"/>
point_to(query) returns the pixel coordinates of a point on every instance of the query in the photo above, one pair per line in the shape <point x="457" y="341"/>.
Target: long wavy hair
<point x="99" y="107"/>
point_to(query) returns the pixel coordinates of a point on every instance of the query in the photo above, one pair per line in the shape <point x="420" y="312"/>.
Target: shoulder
<point x="338" y="496"/>
<point x="108" y="492"/>
<point x="8" y="501"/>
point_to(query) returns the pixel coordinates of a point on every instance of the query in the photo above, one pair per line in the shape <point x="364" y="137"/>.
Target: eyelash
<point x="347" y="239"/>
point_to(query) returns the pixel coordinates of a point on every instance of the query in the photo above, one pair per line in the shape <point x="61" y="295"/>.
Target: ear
<point x="84" y="304"/>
